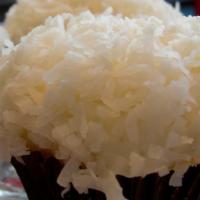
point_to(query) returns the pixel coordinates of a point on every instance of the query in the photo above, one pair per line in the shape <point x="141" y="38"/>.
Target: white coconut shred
<point x="118" y="95"/>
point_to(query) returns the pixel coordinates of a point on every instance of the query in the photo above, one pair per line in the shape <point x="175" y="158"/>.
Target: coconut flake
<point x="106" y="94"/>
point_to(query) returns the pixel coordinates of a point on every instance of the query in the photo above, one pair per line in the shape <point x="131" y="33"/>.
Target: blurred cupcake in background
<point x="26" y="15"/>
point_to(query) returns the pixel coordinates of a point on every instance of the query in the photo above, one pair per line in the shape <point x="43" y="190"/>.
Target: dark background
<point x="189" y="7"/>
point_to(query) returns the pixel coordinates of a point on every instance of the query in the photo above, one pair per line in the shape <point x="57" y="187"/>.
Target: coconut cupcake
<point x="103" y="107"/>
<point x="26" y="15"/>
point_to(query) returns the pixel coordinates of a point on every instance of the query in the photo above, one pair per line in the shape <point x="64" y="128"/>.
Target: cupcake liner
<point x="39" y="175"/>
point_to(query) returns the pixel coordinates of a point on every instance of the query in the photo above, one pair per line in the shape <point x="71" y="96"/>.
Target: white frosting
<point x="27" y="14"/>
<point x="116" y="95"/>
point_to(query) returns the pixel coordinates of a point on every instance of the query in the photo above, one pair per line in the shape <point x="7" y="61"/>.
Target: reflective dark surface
<point x="10" y="186"/>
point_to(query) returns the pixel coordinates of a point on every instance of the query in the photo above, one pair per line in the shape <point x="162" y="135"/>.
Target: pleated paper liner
<point x="39" y="175"/>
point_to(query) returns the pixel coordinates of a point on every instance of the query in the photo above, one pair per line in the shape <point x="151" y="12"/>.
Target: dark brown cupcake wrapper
<point x="39" y="175"/>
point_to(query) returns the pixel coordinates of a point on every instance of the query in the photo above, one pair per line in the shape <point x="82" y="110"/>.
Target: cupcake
<point x="104" y="107"/>
<point x="26" y="15"/>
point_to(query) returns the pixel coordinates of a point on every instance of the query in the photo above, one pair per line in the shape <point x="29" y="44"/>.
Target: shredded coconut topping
<point x="116" y="95"/>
